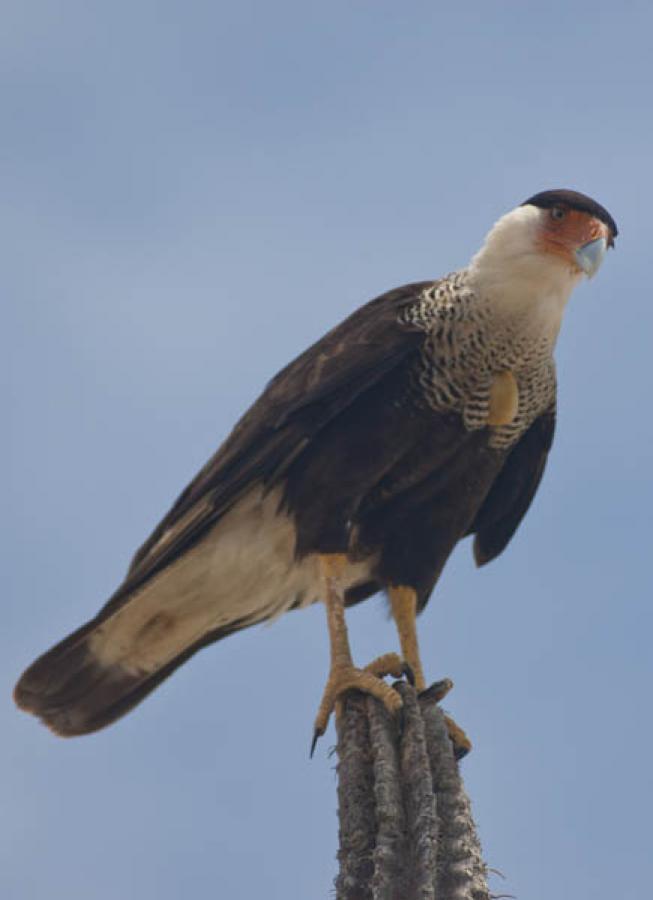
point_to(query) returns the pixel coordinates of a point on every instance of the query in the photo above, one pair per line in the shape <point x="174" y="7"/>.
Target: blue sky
<point x="192" y="192"/>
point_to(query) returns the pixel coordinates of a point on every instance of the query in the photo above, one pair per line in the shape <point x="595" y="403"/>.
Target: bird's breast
<point x="491" y="374"/>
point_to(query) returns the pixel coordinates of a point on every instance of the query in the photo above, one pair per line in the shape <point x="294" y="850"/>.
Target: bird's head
<point x="572" y="227"/>
<point x="544" y="246"/>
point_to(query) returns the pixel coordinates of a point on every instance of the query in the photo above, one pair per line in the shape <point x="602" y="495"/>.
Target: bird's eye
<point x="558" y="213"/>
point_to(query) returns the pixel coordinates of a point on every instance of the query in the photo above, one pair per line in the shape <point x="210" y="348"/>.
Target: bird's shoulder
<point x="392" y="323"/>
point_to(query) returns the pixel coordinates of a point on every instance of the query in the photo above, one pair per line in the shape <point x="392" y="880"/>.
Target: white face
<point x="559" y="233"/>
<point x="533" y="258"/>
<point x="515" y="260"/>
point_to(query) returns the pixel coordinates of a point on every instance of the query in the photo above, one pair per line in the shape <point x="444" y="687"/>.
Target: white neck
<point x="520" y="281"/>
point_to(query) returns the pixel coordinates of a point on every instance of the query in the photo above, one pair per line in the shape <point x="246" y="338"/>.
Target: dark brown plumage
<point x="407" y="473"/>
<point x="368" y="445"/>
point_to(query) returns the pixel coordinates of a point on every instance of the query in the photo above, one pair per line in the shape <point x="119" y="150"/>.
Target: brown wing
<point x="513" y="490"/>
<point x="299" y="401"/>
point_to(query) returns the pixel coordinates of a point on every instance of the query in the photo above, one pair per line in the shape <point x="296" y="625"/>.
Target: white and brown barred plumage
<point x="378" y="442"/>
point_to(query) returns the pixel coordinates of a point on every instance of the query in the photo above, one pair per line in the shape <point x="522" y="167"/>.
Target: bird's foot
<point x="436" y="692"/>
<point x="346" y="678"/>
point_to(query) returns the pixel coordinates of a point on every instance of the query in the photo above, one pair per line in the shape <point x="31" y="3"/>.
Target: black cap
<point x="573" y="200"/>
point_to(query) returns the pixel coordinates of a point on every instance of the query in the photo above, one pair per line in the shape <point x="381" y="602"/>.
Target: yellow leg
<point x="403" y="601"/>
<point x="343" y="676"/>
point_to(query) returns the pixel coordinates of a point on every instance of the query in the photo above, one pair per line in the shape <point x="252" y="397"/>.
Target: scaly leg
<point x="403" y="601"/>
<point x="343" y="676"/>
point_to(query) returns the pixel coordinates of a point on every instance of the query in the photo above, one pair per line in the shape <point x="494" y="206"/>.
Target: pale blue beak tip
<point x="590" y="256"/>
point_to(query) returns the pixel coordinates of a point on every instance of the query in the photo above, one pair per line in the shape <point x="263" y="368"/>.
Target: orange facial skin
<point x="565" y="230"/>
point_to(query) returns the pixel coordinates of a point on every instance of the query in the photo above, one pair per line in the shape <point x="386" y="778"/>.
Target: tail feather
<point x="73" y="693"/>
<point x="243" y="572"/>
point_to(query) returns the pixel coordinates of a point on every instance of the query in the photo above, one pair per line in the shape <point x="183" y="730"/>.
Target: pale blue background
<point x="191" y="193"/>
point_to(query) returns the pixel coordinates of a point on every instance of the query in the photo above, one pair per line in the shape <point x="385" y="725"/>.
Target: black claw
<point x="408" y="672"/>
<point x="317" y="734"/>
<point x="459" y="752"/>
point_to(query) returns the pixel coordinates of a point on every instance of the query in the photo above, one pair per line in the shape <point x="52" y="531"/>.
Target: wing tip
<point x="482" y="555"/>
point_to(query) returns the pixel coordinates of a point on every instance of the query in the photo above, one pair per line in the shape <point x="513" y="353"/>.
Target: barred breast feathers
<point x="470" y="340"/>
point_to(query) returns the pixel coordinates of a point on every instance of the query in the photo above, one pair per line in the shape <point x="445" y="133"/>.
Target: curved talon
<point x="433" y="694"/>
<point x="317" y="734"/>
<point x="408" y="672"/>
<point x="461" y="743"/>
<point x="346" y="678"/>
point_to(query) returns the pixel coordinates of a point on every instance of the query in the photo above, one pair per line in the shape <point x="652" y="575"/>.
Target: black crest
<point x="573" y="200"/>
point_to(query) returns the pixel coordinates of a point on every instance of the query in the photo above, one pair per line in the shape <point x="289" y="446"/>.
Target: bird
<point x="423" y="418"/>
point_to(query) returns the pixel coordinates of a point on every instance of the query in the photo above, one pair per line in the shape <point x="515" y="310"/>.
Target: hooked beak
<point x="590" y="256"/>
